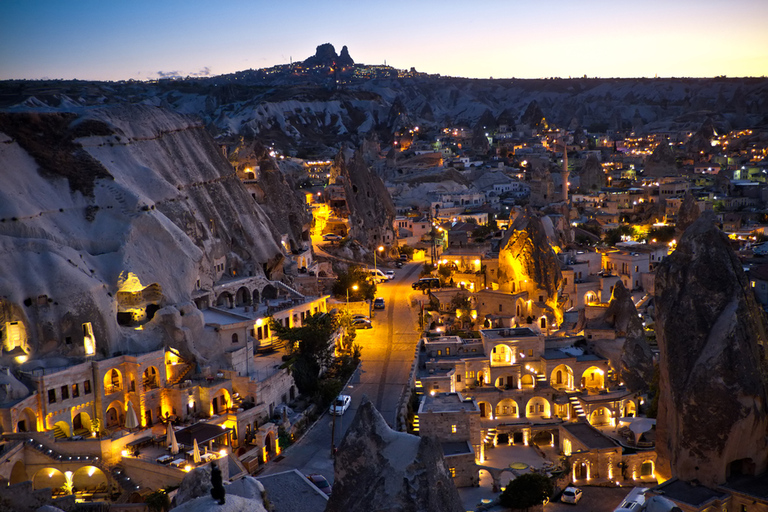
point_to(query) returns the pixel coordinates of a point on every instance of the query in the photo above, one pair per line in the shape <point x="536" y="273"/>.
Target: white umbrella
<point x="171" y="440"/>
<point x="196" y="453"/>
<point x="131" y="421"/>
<point x="641" y="425"/>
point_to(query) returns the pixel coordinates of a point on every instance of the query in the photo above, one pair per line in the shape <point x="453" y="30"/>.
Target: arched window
<point x="234" y="337"/>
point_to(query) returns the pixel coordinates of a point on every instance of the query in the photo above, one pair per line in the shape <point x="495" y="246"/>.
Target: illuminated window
<point x="452" y="471"/>
<point x="87" y="387"/>
<point x="453" y="429"/>
<point x="75" y="391"/>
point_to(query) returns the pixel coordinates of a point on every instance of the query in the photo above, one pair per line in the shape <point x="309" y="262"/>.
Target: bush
<point x="527" y="491"/>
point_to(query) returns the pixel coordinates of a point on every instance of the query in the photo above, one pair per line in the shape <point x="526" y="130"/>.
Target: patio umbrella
<point x="196" y="453"/>
<point x="641" y="425"/>
<point x="131" y="421"/>
<point x="171" y="440"/>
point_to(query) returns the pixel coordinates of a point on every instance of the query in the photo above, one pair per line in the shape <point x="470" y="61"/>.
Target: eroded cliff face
<point x="632" y="356"/>
<point x="371" y="212"/>
<point x="527" y="261"/>
<point x="713" y="407"/>
<point x="378" y="468"/>
<point x="157" y="206"/>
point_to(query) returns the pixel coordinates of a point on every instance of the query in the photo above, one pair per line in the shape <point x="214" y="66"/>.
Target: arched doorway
<point x="269" y="293"/>
<point x="647" y="469"/>
<point x="526" y="381"/>
<point x="49" y="477"/>
<point x="593" y="377"/>
<point x="113" y="381"/>
<point x="18" y="473"/>
<point x="630" y="410"/>
<point x="113" y="418"/>
<point x="543" y="322"/>
<point x="543" y="438"/>
<point x="507" y="408"/>
<point x="242" y="297"/>
<point x="224" y="300"/>
<point x="590" y="297"/>
<point x="255" y="297"/>
<point x="81" y="423"/>
<point x="485" y="409"/>
<point x="220" y="402"/>
<point x="89" y="479"/>
<point x="600" y="417"/>
<point x="507" y="382"/>
<point x="561" y="377"/>
<point x="27" y="421"/>
<point x="502" y="355"/>
<point x="582" y="470"/>
<point x="537" y="407"/>
<point x="61" y="429"/>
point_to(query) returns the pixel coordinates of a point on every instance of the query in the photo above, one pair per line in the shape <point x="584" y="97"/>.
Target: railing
<point x="108" y="390"/>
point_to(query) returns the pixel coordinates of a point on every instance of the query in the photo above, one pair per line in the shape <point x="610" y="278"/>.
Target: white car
<point x="340" y="405"/>
<point x="390" y="274"/>
<point x="330" y="237"/>
<point x="571" y="495"/>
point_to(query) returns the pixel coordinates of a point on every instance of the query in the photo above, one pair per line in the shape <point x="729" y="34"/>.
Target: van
<point x="376" y="275"/>
<point x="634" y="502"/>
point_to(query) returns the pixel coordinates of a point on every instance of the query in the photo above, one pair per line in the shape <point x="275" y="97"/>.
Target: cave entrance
<point x="740" y="467"/>
<point x="151" y="310"/>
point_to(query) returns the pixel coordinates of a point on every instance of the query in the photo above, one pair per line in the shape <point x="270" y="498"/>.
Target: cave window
<point x="87" y="387"/>
<point x="133" y="386"/>
<point x="51" y="396"/>
<point x="68" y="340"/>
<point x="234" y="338"/>
<point x="75" y="391"/>
<point x="500" y="306"/>
<point x="64" y="392"/>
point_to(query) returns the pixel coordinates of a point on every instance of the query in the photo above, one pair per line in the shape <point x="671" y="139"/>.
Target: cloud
<point x="206" y="71"/>
<point x="169" y="74"/>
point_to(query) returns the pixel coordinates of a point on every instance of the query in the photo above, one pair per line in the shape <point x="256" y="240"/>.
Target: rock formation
<point x="194" y="494"/>
<point x="688" y="213"/>
<point x="713" y="406"/>
<point x="371" y="212"/>
<point x="661" y="162"/>
<point x="379" y="468"/>
<point x="527" y="261"/>
<point x="634" y="359"/>
<point x="127" y="228"/>
<point x="592" y="175"/>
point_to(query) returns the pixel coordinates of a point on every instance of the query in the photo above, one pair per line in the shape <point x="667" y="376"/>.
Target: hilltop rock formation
<point x="527" y="261"/>
<point x="713" y="407"/>
<point x="371" y="212"/>
<point x="662" y="162"/>
<point x="688" y="212"/>
<point x="379" y="468"/>
<point x="634" y="358"/>
<point x="137" y="227"/>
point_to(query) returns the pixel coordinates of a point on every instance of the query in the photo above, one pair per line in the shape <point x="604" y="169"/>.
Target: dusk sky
<point x="109" y="40"/>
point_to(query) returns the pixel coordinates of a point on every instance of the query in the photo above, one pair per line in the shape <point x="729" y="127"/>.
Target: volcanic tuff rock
<point x="592" y="175"/>
<point x="527" y="261"/>
<point x="688" y="212"/>
<point x="167" y="205"/>
<point x="713" y="406"/>
<point x="371" y="212"/>
<point x="662" y="162"/>
<point x="635" y="359"/>
<point x="379" y="469"/>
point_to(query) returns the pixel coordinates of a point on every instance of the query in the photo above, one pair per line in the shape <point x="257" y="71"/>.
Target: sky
<point x="138" y="39"/>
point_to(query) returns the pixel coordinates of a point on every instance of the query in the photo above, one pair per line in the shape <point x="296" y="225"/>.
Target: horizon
<point x="92" y="41"/>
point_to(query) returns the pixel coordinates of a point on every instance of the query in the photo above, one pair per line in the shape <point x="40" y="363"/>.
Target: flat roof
<point x="456" y="448"/>
<point x="756" y="486"/>
<point x="589" y="436"/>
<point x="290" y="491"/>
<point x="508" y="332"/>
<point x="685" y="492"/>
<point x="447" y="402"/>
<point x="203" y="432"/>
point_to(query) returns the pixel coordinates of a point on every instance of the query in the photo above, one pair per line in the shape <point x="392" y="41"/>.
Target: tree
<point x="527" y="491"/>
<point x="613" y="236"/>
<point x="310" y="348"/>
<point x="366" y="288"/>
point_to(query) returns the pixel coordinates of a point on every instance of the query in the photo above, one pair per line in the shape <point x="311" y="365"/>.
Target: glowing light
<point x="21" y="359"/>
<point x="91" y="470"/>
<point x="223" y="452"/>
<point x="187" y="468"/>
<point x="124" y="453"/>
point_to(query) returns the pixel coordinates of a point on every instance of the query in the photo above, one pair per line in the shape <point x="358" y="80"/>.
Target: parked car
<point x="361" y="323"/>
<point x="378" y="303"/>
<point x="399" y="264"/>
<point x="390" y="274"/>
<point x="340" y="405"/>
<point x="360" y="317"/>
<point x="330" y="237"/>
<point x="571" y="495"/>
<point x="426" y="283"/>
<point x="375" y="275"/>
<point x="320" y="482"/>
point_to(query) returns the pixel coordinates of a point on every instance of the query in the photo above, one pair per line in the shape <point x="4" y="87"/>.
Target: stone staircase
<point x="576" y="406"/>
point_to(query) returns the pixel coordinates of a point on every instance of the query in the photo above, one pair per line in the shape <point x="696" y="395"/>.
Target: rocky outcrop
<point x="662" y="162"/>
<point x="166" y="208"/>
<point x="713" y="406"/>
<point x="527" y="261"/>
<point x="634" y="359"/>
<point x="379" y="468"/>
<point x="592" y="176"/>
<point x="194" y="494"/>
<point x="371" y="212"/>
<point x="688" y="212"/>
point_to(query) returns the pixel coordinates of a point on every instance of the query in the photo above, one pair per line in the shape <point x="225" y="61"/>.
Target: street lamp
<point x="378" y="249"/>
<point x="354" y="288"/>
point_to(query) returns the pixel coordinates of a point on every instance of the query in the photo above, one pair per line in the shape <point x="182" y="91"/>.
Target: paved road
<point x="387" y="356"/>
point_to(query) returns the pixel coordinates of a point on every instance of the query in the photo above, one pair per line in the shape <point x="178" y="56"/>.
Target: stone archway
<point x="538" y="407"/>
<point x="81" y="423"/>
<point x="590" y="297"/>
<point x="220" y="402"/>
<point x="113" y="381"/>
<point x="114" y="415"/>
<point x="27" y="421"/>
<point x="269" y="293"/>
<point x="224" y="300"/>
<point x="90" y="479"/>
<point x="600" y="417"/>
<point x="507" y="408"/>
<point x="255" y="297"/>
<point x="486" y="411"/>
<point x="242" y="297"/>
<point x="561" y="377"/>
<point x="18" y="473"/>
<point x="49" y="477"/>
<point x="593" y="377"/>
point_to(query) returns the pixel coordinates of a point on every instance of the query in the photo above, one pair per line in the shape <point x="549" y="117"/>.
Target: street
<point x="387" y="356"/>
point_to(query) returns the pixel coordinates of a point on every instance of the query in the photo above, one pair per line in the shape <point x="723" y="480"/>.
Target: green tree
<point x="310" y="349"/>
<point x="345" y="281"/>
<point x="613" y="236"/>
<point x="527" y="491"/>
<point x="662" y="234"/>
